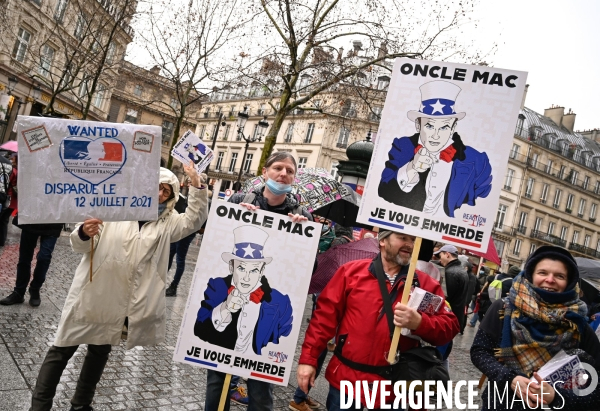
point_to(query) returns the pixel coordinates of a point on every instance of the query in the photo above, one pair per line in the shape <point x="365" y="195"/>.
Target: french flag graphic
<point x="112" y="152"/>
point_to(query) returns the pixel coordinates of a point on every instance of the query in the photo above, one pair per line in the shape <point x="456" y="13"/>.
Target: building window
<point x="376" y="113"/>
<point x="289" y="133"/>
<point x="383" y="83"/>
<point x="248" y="162"/>
<point x="514" y="152"/>
<point x="334" y="169"/>
<point x="232" y="162"/>
<point x="343" y="137"/>
<point x="83" y="87"/>
<point x="529" y="187"/>
<point x="538" y="224"/>
<point x="563" y="233"/>
<point x="131" y="116"/>
<point x="544" y="195"/>
<point x="534" y="160"/>
<point x="522" y="222"/>
<point x="21" y="45"/>
<point x="598" y="246"/>
<point x="569" y="206"/>
<point x="38" y="2"/>
<point x="309" y="133"/>
<point x="520" y="122"/>
<point x="561" y="173"/>
<point x="593" y="209"/>
<point x="219" y="160"/>
<point x="557" y="195"/>
<point x="574" y="174"/>
<point x="501" y="216"/>
<point x="532" y="248"/>
<point x="99" y="96"/>
<point x="549" y="166"/>
<point x="80" y="26"/>
<point x="175" y="103"/>
<point x="586" y="241"/>
<point x="575" y="237"/>
<point x="46" y="58"/>
<point x="581" y="208"/>
<point x="137" y="90"/>
<point x="349" y="109"/>
<point x="586" y="182"/>
<point x="517" y="248"/>
<point x="551" y="227"/>
<point x="510" y="175"/>
<point x="111" y="53"/>
<point x="227" y="130"/>
<point x="201" y="134"/>
<point x="167" y="131"/>
<point x="302" y="162"/>
<point x="597" y="187"/>
<point x="59" y="12"/>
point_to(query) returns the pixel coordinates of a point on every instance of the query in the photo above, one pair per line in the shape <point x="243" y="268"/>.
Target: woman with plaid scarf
<point x="541" y="315"/>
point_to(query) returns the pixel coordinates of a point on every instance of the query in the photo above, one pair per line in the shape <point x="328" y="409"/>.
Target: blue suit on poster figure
<point x="242" y="310"/>
<point x="433" y="170"/>
<point x="470" y="177"/>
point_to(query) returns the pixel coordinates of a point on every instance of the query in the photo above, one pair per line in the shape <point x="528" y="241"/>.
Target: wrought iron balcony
<point x="549" y="238"/>
<point x="584" y="250"/>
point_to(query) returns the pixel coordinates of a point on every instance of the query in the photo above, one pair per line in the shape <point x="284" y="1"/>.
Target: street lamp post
<point x="260" y="132"/>
<point x="214" y="138"/>
<point x="12" y="84"/>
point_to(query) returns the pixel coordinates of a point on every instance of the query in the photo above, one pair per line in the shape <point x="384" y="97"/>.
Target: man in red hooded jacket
<point x="351" y="308"/>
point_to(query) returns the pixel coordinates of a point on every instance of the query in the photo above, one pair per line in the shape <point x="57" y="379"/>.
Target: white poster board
<point x="442" y="150"/>
<point x="70" y="170"/>
<point x="247" y="322"/>
<point x="190" y="149"/>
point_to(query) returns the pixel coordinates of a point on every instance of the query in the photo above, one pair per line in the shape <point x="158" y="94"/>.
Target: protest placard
<point x="245" y="307"/>
<point x="190" y="148"/>
<point x="442" y="150"/>
<point x="70" y="170"/>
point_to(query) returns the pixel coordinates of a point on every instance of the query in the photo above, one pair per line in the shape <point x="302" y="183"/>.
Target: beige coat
<point x="130" y="268"/>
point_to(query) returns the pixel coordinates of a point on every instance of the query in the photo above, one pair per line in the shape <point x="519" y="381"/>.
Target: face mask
<point x="482" y="272"/>
<point x="162" y="207"/>
<point x="324" y="228"/>
<point x="278" y="188"/>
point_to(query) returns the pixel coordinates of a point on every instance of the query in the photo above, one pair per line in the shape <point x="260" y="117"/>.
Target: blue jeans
<point x="44" y="257"/>
<point x="475" y="316"/>
<point x="333" y="401"/>
<point x="180" y="248"/>
<point x="260" y="394"/>
<point x="299" y="395"/>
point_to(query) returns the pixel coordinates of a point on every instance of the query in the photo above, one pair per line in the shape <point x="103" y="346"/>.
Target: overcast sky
<point x="557" y="43"/>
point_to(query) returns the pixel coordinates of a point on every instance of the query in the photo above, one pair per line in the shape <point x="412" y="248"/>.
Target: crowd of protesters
<point x="526" y="316"/>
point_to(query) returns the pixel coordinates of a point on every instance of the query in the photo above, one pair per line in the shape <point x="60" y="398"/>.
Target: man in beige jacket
<point x="129" y="275"/>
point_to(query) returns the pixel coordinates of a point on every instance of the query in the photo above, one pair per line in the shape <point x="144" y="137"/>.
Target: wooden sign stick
<point x="92" y="259"/>
<point x="405" y="294"/>
<point x="225" y="392"/>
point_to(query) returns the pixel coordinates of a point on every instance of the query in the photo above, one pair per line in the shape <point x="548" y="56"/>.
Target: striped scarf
<point x="538" y="324"/>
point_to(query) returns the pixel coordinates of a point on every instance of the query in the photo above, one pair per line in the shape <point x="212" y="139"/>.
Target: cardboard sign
<point x="190" y="149"/>
<point x="246" y="302"/>
<point x="442" y="150"/>
<point x="70" y="170"/>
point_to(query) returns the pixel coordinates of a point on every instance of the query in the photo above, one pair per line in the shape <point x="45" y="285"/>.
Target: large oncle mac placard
<point x="245" y="307"/>
<point x="442" y="150"/>
<point x="70" y="170"/>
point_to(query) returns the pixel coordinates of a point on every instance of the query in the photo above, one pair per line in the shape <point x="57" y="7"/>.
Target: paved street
<point x="142" y="378"/>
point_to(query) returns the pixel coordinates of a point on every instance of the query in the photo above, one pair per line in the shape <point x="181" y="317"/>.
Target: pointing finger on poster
<point x="91" y="226"/>
<point x="306" y="376"/>
<point x="234" y="302"/>
<point x="422" y="161"/>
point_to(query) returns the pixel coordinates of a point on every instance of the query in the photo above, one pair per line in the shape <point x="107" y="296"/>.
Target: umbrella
<point x="343" y="211"/>
<point x="314" y="188"/>
<point x="335" y="257"/>
<point x="491" y="254"/>
<point x="10" y="146"/>
<point x="588" y="268"/>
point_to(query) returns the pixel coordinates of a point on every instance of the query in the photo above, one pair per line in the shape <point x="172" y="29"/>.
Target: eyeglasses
<point x="166" y="191"/>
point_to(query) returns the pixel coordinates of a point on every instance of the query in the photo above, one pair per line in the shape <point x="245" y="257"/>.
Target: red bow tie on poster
<point x="446" y="155"/>
<point x="255" y="296"/>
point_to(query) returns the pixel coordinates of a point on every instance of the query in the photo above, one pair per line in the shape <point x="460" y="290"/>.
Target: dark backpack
<point x="5" y="173"/>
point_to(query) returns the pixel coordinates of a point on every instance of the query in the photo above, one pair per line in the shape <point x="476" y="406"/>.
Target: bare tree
<point x="185" y="40"/>
<point x="305" y="59"/>
<point x="78" y="43"/>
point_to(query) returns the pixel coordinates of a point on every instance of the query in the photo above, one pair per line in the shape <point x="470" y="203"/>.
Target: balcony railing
<point x="518" y="230"/>
<point x="549" y="238"/>
<point x="584" y="250"/>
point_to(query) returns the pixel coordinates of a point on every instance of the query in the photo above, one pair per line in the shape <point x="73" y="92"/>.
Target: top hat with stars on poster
<point x="248" y="246"/>
<point x="437" y="101"/>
